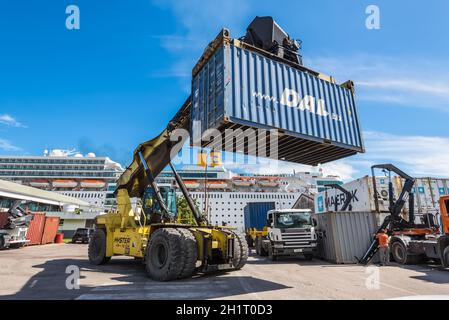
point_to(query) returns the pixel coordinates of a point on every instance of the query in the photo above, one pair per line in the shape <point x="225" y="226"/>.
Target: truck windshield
<point x="293" y="220"/>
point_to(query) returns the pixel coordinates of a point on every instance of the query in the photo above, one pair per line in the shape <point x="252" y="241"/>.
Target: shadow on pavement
<point x="431" y="272"/>
<point x="131" y="283"/>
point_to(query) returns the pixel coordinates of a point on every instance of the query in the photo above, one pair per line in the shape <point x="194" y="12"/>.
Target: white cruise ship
<point x="86" y="177"/>
<point x="228" y="193"/>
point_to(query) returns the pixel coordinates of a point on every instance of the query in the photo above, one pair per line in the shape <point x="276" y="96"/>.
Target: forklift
<point x="410" y="242"/>
<point x="148" y="229"/>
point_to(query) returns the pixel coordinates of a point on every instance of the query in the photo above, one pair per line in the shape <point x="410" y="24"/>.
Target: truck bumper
<point x="294" y="251"/>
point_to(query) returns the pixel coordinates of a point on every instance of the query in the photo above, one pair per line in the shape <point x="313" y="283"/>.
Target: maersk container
<point x="256" y="214"/>
<point x="363" y="198"/>
<point x="236" y="86"/>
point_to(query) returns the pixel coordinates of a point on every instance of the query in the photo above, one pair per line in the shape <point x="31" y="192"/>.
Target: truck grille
<point x="297" y="239"/>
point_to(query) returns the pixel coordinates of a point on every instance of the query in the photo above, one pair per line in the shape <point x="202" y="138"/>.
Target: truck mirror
<point x="315" y="223"/>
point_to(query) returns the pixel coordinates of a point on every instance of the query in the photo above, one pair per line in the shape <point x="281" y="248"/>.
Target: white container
<point x="362" y="191"/>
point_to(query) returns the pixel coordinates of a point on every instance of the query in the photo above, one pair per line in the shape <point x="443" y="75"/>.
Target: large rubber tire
<point x="97" y="248"/>
<point x="250" y="241"/>
<point x="190" y="250"/>
<point x="241" y="250"/>
<point x="259" y="248"/>
<point x="165" y="258"/>
<point x="445" y="261"/>
<point x="400" y="255"/>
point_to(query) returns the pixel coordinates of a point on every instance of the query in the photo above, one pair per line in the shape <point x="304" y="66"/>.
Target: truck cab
<point x="290" y="232"/>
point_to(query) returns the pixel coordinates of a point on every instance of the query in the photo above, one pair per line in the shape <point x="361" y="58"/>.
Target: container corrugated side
<point x="36" y="229"/>
<point x="3" y="218"/>
<point x="256" y="214"/>
<point x="345" y="235"/>
<point x="241" y="89"/>
<point x="50" y="230"/>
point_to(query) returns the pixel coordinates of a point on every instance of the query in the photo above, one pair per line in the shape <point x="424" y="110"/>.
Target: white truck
<point x="289" y="232"/>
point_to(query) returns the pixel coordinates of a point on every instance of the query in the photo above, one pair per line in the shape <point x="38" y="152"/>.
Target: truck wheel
<point x="259" y="248"/>
<point x="401" y="256"/>
<point x="165" y="256"/>
<point x="445" y="261"/>
<point x="240" y="251"/>
<point x="190" y="250"/>
<point x="250" y="241"/>
<point x="399" y="252"/>
<point x="2" y="242"/>
<point x="271" y="256"/>
<point x="97" y="248"/>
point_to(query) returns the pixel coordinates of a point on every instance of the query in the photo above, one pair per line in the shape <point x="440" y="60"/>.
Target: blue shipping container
<point x="256" y="214"/>
<point x="238" y="88"/>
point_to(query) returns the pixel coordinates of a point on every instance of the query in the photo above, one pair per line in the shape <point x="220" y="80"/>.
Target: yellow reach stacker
<point x="146" y="228"/>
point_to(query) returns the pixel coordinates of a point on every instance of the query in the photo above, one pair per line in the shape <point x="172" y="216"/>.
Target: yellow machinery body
<point x="126" y="235"/>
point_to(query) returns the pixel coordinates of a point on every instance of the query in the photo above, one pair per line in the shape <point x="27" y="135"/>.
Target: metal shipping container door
<point x="239" y="89"/>
<point x="345" y="235"/>
<point x="36" y="229"/>
<point x="50" y="230"/>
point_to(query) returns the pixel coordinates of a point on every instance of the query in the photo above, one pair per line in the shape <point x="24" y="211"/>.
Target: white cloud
<point x="417" y="155"/>
<point x="401" y="81"/>
<point x="5" y="145"/>
<point x="198" y="24"/>
<point x="10" y="121"/>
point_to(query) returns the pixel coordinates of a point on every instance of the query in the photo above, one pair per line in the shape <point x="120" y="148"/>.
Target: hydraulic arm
<point x="394" y="220"/>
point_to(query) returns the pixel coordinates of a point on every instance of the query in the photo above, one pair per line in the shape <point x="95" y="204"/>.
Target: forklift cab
<point x="151" y="207"/>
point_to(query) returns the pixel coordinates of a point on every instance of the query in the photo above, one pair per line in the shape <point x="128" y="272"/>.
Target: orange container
<point x="36" y="229"/>
<point x="59" y="238"/>
<point x="50" y="230"/>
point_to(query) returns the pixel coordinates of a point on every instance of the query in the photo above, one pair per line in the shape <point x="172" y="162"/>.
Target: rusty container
<point x="50" y="230"/>
<point x="3" y="218"/>
<point x="36" y="229"/>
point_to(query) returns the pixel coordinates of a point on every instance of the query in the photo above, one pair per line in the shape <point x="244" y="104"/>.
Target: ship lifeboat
<point x="192" y="184"/>
<point x="268" y="182"/>
<point x="92" y="184"/>
<point x="64" y="184"/>
<point x="242" y="182"/>
<point x="217" y="185"/>
<point x="40" y="183"/>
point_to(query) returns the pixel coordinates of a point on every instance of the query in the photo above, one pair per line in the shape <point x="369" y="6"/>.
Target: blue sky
<point x="118" y="80"/>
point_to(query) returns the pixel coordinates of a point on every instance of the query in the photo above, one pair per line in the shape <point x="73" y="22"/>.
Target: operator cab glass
<point x="286" y="220"/>
<point x="150" y="205"/>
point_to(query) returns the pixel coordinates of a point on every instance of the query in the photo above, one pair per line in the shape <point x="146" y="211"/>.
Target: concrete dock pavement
<point x="46" y="272"/>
